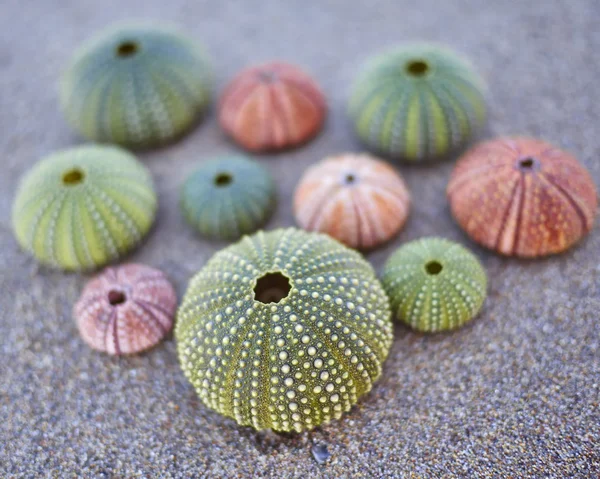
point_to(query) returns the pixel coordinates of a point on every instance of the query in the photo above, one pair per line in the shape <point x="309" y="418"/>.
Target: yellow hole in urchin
<point x="272" y="288"/>
<point x="417" y="68"/>
<point x="73" y="177"/>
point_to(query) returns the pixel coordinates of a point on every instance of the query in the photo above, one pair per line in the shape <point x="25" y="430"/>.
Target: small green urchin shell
<point x="417" y="101"/>
<point x="83" y="207"/>
<point x="434" y="284"/>
<point x="228" y="197"/>
<point x="284" y="330"/>
<point x="136" y="86"/>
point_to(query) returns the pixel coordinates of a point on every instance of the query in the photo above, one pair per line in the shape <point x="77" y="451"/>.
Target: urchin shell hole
<point x="272" y="288"/>
<point x="433" y="267"/>
<point x="417" y="68"/>
<point x="527" y="164"/>
<point x="349" y="179"/>
<point x="223" y="179"/>
<point x="267" y="76"/>
<point x="73" y="177"/>
<point x="116" y="297"/>
<point x="127" y="49"/>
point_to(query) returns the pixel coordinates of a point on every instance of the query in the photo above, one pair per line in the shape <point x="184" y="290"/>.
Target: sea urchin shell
<point x="126" y="309"/>
<point x="83" y="207"/>
<point x="522" y="197"/>
<point x="228" y="197"/>
<point x="283" y="330"/>
<point x="136" y="86"/>
<point x="357" y="199"/>
<point x="272" y="107"/>
<point x="417" y="101"/>
<point x="434" y="284"/>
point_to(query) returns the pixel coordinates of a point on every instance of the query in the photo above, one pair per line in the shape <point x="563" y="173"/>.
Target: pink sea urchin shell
<point x="357" y="199"/>
<point x="272" y="106"/>
<point x="126" y="309"/>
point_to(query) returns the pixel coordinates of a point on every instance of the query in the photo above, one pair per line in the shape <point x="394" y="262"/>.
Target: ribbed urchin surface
<point x="417" y="101"/>
<point x="272" y="106"/>
<point x="83" y="207"/>
<point x="138" y="86"/>
<point x="228" y="197"/>
<point x="126" y="309"/>
<point x="522" y="197"/>
<point x="355" y="198"/>
<point x="434" y="284"/>
<point x="284" y="330"/>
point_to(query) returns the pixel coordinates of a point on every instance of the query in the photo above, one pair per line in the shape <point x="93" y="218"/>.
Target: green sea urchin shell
<point x="83" y="207"/>
<point x="228" y="197"/>
<point x="283" y="330"/>
<point x="434" y="284"/>
<point x="418" y="101"/>
<point x="136" y="86"/>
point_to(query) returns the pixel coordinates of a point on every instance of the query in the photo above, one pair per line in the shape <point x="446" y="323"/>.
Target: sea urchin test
<point x="284" y="330"/>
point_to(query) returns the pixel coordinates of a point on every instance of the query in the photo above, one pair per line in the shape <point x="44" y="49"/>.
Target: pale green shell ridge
<point x="294" y="364"/>
<point x="417" y="117"/>
<point x="441" y="299"/>
<point x="84" y="224"/>
<point x="143" y="99"/>
<point x="227" y="210"/>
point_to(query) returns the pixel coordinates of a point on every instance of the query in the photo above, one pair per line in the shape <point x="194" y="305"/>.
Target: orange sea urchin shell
<point x="272" y="107"/>
<point x="357" y="199"/>
<point x="125" y="310"/>
<point x="522" y="197"/>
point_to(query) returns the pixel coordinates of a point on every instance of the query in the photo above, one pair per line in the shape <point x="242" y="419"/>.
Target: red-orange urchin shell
<point x="272" y="107"/>
<point x="126" y="309"/>
<point x="522" y="197"/>
<point x="357" y="199"/>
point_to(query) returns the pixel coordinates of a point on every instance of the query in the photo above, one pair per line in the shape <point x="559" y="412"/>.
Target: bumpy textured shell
<point x="434" y="284"/>
<point x="522" y="197"/>
<point x="418" y="101"/>
<point x="272" y="107"/>
<point x="292" y="364"/>
<point x="83" y="207"/>
<point x="357" y="199"/>
<point x="136" y="86"/>
<point x="228" y="197"/>
<point x="125" y="310"/>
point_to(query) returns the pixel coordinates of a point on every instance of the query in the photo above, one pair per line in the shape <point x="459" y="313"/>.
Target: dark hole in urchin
<point x="417" y="68"/>
<point x="73" y="177"/>
<point x="349" y="179"/>
<point x="434" y="267"/>
<point x="223" y="179"/>
<point x="272" y="288"/>
<point x="527" y="164"/>
<point x="116" y="297"/>
<point x="127" y="49"/>
<point x="267" y="76"/>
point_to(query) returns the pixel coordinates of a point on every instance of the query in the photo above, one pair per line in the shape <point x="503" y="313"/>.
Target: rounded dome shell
<point x="417" y="101"/>
<point x="83" y="207"/>
<point x="283" y="330"/>
<point x="138" y="86"/>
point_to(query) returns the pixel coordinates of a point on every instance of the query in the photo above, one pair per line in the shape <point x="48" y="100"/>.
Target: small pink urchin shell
<point x="126" y="309"/>
<point x="357" y="199"/>
<point x="271" y="107"/>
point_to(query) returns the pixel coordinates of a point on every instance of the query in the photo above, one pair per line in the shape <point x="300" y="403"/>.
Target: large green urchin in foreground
<point x="83" y="207"/>
<point x="283" y="330"/>
<point x="417" y="101"/>
<point x="228" y="197"/>
<point x="434" y="284"/>
<point x="136" y="86"/>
